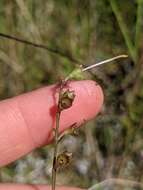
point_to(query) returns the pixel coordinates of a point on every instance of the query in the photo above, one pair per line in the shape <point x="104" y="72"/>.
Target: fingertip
<point x="39" y="108"/>
<point x="87" y="103"/>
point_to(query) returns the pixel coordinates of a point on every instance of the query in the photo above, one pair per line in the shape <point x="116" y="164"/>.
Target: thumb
<point x="27" y="120"/>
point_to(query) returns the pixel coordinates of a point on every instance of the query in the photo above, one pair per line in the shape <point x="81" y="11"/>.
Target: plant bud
<point x="66" y="100"/>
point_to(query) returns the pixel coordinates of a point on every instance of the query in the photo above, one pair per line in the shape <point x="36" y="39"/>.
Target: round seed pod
<point x="63" y="159"/>
<point x="66" y="100"/>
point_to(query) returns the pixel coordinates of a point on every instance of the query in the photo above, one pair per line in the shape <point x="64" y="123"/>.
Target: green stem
<point x="138" y="25"/>
<point x="54" y="168"/>
<point x="124" y="29"/>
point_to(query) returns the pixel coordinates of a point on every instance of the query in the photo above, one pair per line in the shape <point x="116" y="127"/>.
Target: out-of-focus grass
<point x="111" y="146"/>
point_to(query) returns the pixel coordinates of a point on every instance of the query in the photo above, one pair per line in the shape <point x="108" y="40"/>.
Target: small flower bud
<point x="66" y="100"/>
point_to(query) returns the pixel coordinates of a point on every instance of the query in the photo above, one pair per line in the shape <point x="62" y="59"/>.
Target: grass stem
<point x="138" y="30"/>
<point x="124" y="29"/>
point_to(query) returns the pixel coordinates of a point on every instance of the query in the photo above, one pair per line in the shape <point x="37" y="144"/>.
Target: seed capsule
<point x="74" y="131"/>
<point x="66" y="99"/>
<point x="63" y="159"/>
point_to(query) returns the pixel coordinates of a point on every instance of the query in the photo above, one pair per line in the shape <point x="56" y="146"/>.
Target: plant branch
<point x="65" y="101"/>
<point x="124" y="29"/>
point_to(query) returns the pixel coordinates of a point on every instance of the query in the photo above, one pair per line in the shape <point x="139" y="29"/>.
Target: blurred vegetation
<point x="88" y="31"/>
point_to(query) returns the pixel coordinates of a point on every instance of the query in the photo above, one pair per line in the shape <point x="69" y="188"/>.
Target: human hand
<point x="26" y="122"/>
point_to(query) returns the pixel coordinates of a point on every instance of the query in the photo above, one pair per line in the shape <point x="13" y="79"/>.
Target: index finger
<point x="26" y="121"/>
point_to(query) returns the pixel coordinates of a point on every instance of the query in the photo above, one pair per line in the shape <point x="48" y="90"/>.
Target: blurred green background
<point x="87" y="31"/>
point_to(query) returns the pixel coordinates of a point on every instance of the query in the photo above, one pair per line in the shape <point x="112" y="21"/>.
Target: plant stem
<point x="124" y="29"/>
<point x="54" y="168"/>
<point x="138" y="25"/>
<point x="56" y="137"/>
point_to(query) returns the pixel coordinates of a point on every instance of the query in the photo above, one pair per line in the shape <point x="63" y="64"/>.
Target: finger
<point x="32" y="187"/>
<point x="26" y="121"/>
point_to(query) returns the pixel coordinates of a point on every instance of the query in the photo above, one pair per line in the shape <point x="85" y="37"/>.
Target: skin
<point x="26" y="121"/>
